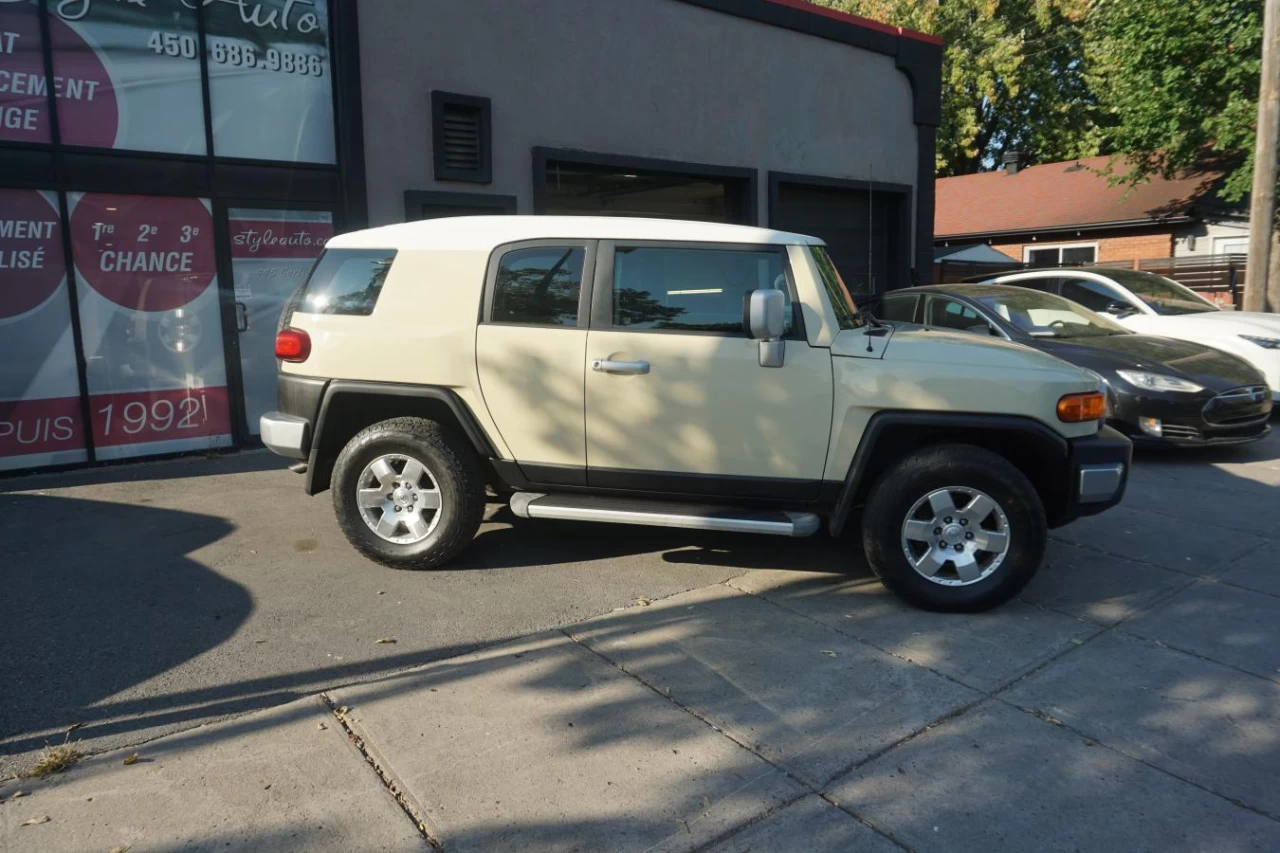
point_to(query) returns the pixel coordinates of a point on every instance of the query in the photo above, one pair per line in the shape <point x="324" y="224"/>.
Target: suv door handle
<point x="626" y="368"/>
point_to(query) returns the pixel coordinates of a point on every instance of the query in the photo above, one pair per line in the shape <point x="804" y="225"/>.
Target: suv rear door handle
<point x="627" y="368"/>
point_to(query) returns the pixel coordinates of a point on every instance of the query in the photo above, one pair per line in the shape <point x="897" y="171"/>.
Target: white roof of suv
<point x="485" y="232"/>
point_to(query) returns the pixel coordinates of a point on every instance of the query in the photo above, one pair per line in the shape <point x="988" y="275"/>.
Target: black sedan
<point x="1160" y="390"/>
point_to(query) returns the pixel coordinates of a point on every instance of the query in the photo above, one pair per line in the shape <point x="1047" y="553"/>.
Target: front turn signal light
<point x="1078" y="408"/>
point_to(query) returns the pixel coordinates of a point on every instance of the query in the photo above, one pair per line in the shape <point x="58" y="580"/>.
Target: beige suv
<point x="681" y="374"/>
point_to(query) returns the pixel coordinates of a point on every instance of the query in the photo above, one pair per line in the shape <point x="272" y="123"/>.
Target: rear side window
<point x="539" y="286"/>
<point x="696" y="290"/>
<point x="901" y="309"/>
<point x="346" y="281"/>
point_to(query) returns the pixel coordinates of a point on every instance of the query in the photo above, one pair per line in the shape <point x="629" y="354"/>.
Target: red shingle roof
<point x="1055" y="196"/>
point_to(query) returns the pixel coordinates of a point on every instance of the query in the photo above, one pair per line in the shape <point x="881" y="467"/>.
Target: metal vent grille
<point x="460" y="138"/>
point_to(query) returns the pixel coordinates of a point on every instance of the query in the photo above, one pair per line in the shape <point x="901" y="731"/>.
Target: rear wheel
<point x="954" y="528"/>
<point x="408" y="493"/>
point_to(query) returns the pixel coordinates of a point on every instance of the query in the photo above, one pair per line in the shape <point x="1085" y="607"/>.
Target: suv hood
<point x="1212" y="368"/>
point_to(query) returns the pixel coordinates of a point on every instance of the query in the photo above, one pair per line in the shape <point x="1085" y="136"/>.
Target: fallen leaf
<point x="322" y="727"/>
<point x="258" y="642"/>
<point x="386" y="640"/>
<point x="36" y="820"/>
<point x="17" y="794"/>
<point x="131" y="759"/>
<point x="643" y="602"/>
<point x="121" y="848"/>
<point x="266" y="787"/>
<point x="382" y="592"/>
<point x="830" y="653"/>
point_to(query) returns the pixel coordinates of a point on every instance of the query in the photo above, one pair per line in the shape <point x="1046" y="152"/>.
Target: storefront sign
<point x="127" y="76"/>
<point x="40" y="415"/>
<point x="151" y="323"/>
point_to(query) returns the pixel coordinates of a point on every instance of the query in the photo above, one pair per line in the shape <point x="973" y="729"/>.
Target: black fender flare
<point x="318" y="467"/>
<point x="884" y="424"/>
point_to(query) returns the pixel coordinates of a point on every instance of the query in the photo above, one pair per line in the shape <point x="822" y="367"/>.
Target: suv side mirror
<point x="764" y="317"/>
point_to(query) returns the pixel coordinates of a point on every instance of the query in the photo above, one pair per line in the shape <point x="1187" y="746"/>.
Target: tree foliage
<point x="1178" y="81"/>
<point x="1013" y="76"/>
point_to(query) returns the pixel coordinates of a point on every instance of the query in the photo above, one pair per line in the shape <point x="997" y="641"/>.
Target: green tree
<point x="1013" y="76"/>
<point x="1177" y="82"/>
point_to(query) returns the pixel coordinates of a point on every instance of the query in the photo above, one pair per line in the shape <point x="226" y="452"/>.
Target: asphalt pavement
<point x="592" y="687"/>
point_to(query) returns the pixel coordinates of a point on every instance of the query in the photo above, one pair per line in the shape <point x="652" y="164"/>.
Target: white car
<point x="1154" y="305"/>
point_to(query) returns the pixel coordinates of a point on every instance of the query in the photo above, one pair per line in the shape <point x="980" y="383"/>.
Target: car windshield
<point x="1044" y="315"/>
<point x="847" y="316"/>
<point x="1163" y="295"/>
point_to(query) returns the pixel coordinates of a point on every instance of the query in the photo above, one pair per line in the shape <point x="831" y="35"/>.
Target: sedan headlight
<point x="1158" y="381"/>
<point x="1265" y="343"/>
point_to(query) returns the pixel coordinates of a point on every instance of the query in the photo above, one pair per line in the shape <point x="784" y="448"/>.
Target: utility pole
<point x="1261" y="294"/>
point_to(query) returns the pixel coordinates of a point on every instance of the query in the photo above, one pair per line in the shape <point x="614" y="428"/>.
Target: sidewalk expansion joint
<point x="808" y="788"/>
<point x="339" y="713"/>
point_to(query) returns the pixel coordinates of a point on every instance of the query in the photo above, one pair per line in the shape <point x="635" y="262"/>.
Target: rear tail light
<point x="1078" y="408"/>
<point x="292" y="345"/>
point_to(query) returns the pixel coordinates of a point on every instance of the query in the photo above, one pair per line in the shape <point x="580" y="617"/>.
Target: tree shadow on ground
<point x="98" y="597"/>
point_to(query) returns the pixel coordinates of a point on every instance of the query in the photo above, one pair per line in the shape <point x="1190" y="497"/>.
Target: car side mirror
<point x="1119" y="308"/>
<point x="764" y="317"/>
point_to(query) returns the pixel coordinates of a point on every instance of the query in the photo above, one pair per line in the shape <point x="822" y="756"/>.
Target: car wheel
<point x="954" y="528"/>
<point x="408" y="493"/>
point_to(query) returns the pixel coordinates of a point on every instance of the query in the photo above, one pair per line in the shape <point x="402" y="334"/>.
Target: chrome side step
<point x="612" y="510"/>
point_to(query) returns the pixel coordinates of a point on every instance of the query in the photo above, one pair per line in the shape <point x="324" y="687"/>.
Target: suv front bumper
<point x="286" y="435"/>
<point x="1100" y="467"/>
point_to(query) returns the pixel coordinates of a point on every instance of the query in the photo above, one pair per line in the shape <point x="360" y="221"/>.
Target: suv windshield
<point x="847" y="316"/>
<point x="1044" y="315"/>
<point x="1161" y="294"/>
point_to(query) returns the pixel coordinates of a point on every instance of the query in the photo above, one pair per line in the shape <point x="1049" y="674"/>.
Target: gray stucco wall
<point x="647" y="78"/>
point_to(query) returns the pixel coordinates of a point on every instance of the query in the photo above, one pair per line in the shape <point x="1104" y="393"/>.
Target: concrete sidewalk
<point x="767" y="713"/>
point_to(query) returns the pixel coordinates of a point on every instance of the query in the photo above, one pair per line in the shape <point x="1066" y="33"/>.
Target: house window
<point x="461" y="147"/>
<point x="1063" y="255"/>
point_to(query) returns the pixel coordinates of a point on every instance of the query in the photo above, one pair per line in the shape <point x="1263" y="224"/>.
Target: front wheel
<point x="954" y="528"/>
<point x="408" y="493"/>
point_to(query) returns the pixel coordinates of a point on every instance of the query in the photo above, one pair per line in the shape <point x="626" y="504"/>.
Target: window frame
<point x="922" y="311"/>
<point x="585" y="286"/>
<point x="601" y="309"/>
<point x="916" y="304"/>
<point x="1032" y="247"/>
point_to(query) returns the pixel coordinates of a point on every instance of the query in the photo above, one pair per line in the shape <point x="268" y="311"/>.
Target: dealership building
<point x="168" y="174"/>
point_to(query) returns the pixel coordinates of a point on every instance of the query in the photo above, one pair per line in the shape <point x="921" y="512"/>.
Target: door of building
<point x="271" y="252"/>
<point x="866" y="228"/>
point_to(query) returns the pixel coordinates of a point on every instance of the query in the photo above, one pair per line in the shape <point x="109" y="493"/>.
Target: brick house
<point x="1066" y="213"/>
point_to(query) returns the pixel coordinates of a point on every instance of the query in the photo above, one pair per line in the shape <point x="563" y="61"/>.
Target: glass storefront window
<point x="270" y="84"/>
<point x="271" y="253"/>
<point x="150" y="323"/>
<point x="24" y="102"/>
<point x="40" y="415"/>
<point x="127" y="75"/>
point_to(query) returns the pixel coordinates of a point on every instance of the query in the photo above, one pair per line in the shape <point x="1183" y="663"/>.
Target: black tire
<point x="451" y="463"/>
<point x="939" y="467"/>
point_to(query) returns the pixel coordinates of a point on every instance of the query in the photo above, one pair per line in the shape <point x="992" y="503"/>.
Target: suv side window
<point x="691" y="289"/>
<point x="941" y="312"/>
<point x="345" y="281"/>
<point x="538" y="285"/>
<point x="1093" y="295"/>
<point x="901" y="309"/>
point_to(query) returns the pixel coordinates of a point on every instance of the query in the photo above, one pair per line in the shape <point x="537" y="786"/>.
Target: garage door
<point x="868" y="233"/>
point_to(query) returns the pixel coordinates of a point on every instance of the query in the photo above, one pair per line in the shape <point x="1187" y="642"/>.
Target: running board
<point x="614" y="510"/>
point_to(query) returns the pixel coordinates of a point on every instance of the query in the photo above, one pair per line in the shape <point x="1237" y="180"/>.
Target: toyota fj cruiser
<point x="680" y="374"/>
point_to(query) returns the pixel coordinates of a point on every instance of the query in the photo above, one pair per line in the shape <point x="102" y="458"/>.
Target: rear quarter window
<point x="346" y="281"/>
